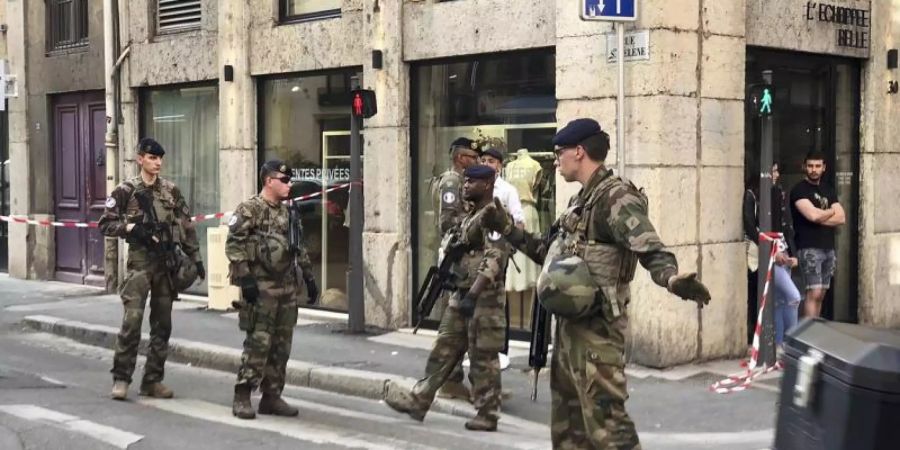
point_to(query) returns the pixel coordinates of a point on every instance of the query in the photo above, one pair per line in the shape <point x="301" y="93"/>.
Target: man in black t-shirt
<point x="816" y="213"/>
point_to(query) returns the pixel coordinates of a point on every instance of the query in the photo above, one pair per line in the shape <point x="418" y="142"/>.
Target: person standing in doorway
<point x="816" y="213"/>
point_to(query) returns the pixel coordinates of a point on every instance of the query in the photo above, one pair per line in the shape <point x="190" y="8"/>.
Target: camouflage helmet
<point x="185" y="271"/>
<point x="566" y="288"/>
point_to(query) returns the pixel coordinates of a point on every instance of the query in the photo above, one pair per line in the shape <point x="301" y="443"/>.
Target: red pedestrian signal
<point x="364" y="103"/>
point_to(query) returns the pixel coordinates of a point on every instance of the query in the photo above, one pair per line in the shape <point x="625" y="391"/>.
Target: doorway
<point x="79" y="125"/>
<point x="817" y="98"/>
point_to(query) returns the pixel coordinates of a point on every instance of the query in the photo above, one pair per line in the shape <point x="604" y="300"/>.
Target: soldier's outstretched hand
<point x="688" y="287"/>
<point x="496" y="218"/>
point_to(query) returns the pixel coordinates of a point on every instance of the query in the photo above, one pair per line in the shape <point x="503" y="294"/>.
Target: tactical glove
<point x="688" y="287"/>
<point x="467" y="305"/>
<point x="249" y="289"/>
<point x="496" y="218"/>
<point x="312" y="289"/>
<point x="140" y="234"/>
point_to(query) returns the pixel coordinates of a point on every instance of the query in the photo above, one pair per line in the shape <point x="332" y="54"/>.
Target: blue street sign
<point x="609" y="10"/>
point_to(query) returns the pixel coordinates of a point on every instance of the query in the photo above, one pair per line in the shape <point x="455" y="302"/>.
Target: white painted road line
<point x="289" y="427"/>
<point x="113" y="436"/>
<point x="737" y="439"/>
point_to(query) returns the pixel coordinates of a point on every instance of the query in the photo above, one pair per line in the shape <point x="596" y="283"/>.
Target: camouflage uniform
<point x="451" y="212"/>
<point x="483" y="334"/>
<point x="607" y="225"/>
<point x="257" y="245"/>
<point x="147" y="272"/>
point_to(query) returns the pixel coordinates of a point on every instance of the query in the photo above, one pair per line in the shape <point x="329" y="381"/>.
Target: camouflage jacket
<point x="257" y="241"/>
<point x="487" y="253"/>
<point x="122" y="208"/>
<point x="452" y="208"/>
<point x="608" y="212"/>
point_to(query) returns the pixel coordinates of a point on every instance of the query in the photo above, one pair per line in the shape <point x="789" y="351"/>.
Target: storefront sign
<point x="316" y="174"/>
<point x="829" y="27"/>
<point x="637" y="46"/>
<point x="852" y="23"/>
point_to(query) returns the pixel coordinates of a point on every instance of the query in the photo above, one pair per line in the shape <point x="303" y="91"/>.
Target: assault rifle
<point x="160" y="240"/>
<point x="437" y="279"/>
<point x="540" y="329"/>
<point x="540" y="342"/>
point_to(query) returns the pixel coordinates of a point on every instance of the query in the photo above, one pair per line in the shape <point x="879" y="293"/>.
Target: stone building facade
<point x="254" y="79"/>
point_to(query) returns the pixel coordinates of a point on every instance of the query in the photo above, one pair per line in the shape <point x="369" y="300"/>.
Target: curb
<point x="358" y="383"/>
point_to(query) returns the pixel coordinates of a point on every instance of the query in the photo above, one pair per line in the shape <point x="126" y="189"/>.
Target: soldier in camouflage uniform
<point x="474" y="318"/>
<point x="269" y="274"/>
<point x="451" y="211"/>
<point x="147" y="272"/>
<point x="588" y="259"/>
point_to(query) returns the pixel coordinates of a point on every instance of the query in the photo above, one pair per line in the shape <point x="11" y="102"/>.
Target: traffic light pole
<point x="356" y="304"/>
<point x="764" y="215"/>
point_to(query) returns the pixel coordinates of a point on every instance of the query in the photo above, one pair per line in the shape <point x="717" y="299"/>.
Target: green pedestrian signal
<point x="766" y="102"/>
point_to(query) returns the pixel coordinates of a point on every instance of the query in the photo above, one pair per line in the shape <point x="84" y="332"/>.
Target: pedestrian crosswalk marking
<point x="113" y="436"/>
<point x="289" y="427"/>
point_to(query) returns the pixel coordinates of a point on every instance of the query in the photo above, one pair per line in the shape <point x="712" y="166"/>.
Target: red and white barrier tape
<point x="741" y="381"/>
<point x="197" y="218"/>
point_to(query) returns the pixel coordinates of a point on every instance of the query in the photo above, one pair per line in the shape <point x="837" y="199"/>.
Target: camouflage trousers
<point x="267" y="346"/>
<point x="483" y="337"/>
<point x="587" y="383"/>
<point x="437" y="313"/>
<point x="152" y="279"/>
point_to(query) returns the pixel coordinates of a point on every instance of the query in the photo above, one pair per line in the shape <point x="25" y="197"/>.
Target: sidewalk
<point x="324" y="356"/>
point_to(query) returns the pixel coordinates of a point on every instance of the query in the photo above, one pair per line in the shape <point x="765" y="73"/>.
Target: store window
<point x="184" y="120"/>
<point x="506" y="101"/>
<point x="298" y="10"/>
<point x="305" y="121"/>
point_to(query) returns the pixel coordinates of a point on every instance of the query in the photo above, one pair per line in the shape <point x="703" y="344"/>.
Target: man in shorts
<point x="816" y="213"/>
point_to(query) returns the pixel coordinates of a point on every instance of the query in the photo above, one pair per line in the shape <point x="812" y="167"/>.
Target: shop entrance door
<point x="816" y="106"/>
<point x="79" y="124"/>
<point x="4" y="190"/>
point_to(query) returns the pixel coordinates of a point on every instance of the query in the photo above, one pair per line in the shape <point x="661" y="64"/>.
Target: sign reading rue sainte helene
<point x="637" y="46"/>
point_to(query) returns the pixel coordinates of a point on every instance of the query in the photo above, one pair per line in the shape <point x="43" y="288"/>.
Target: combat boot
<point x="119" y="390"/>
<point x="156" y="390"/>
<point x="455" y="389"/>
<point x="241" y="406"/>
<point x="402" y="401"/>
<point x="274" y="405"/>
<point x="482" y="423"/>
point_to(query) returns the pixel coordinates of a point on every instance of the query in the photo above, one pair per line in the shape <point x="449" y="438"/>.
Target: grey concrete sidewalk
<point x="672" y="402"/>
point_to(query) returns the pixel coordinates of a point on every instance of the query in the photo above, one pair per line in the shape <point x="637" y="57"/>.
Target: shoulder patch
<point x="494" y="236"/>
<point x="448" y="197"/>
<point x="233" y="220"/>
<point x="110" y="202"/>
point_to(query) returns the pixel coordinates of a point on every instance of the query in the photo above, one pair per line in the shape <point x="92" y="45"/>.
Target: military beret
<point x="465" y="143"/>
<point x="275" y="165"/>
<point x="480" y="172"/>
<point x="494" y="152"/>
<point x="575" y="132"/>
<point x="149" y="145"/>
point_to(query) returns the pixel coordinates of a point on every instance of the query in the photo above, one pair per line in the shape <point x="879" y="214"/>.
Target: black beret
<point x="480" y="172"/>
<point x="491" y="151"/>
<point x="575" y="132"/>
<point x="465" y="143"/>
<point x="275" y="165"/>
<point x="149" y="145"/>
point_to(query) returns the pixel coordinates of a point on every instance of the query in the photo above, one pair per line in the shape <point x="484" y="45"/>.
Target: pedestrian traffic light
<point x="762" y="97"/>
<point x="364" y="103"/>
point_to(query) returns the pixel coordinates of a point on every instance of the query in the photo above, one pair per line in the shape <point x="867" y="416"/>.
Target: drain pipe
<point x="111" y="67"/>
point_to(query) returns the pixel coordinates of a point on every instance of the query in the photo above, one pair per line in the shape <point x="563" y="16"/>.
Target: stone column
<point x="879" y="219"/>
<point x="20" y="255"/>
<point x="684" y="145"/>
<point x="237" y="107"/>
<point x="386" y="170"/>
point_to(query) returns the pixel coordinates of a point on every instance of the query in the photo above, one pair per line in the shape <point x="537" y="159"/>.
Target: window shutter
<point x="178" y="14"/>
